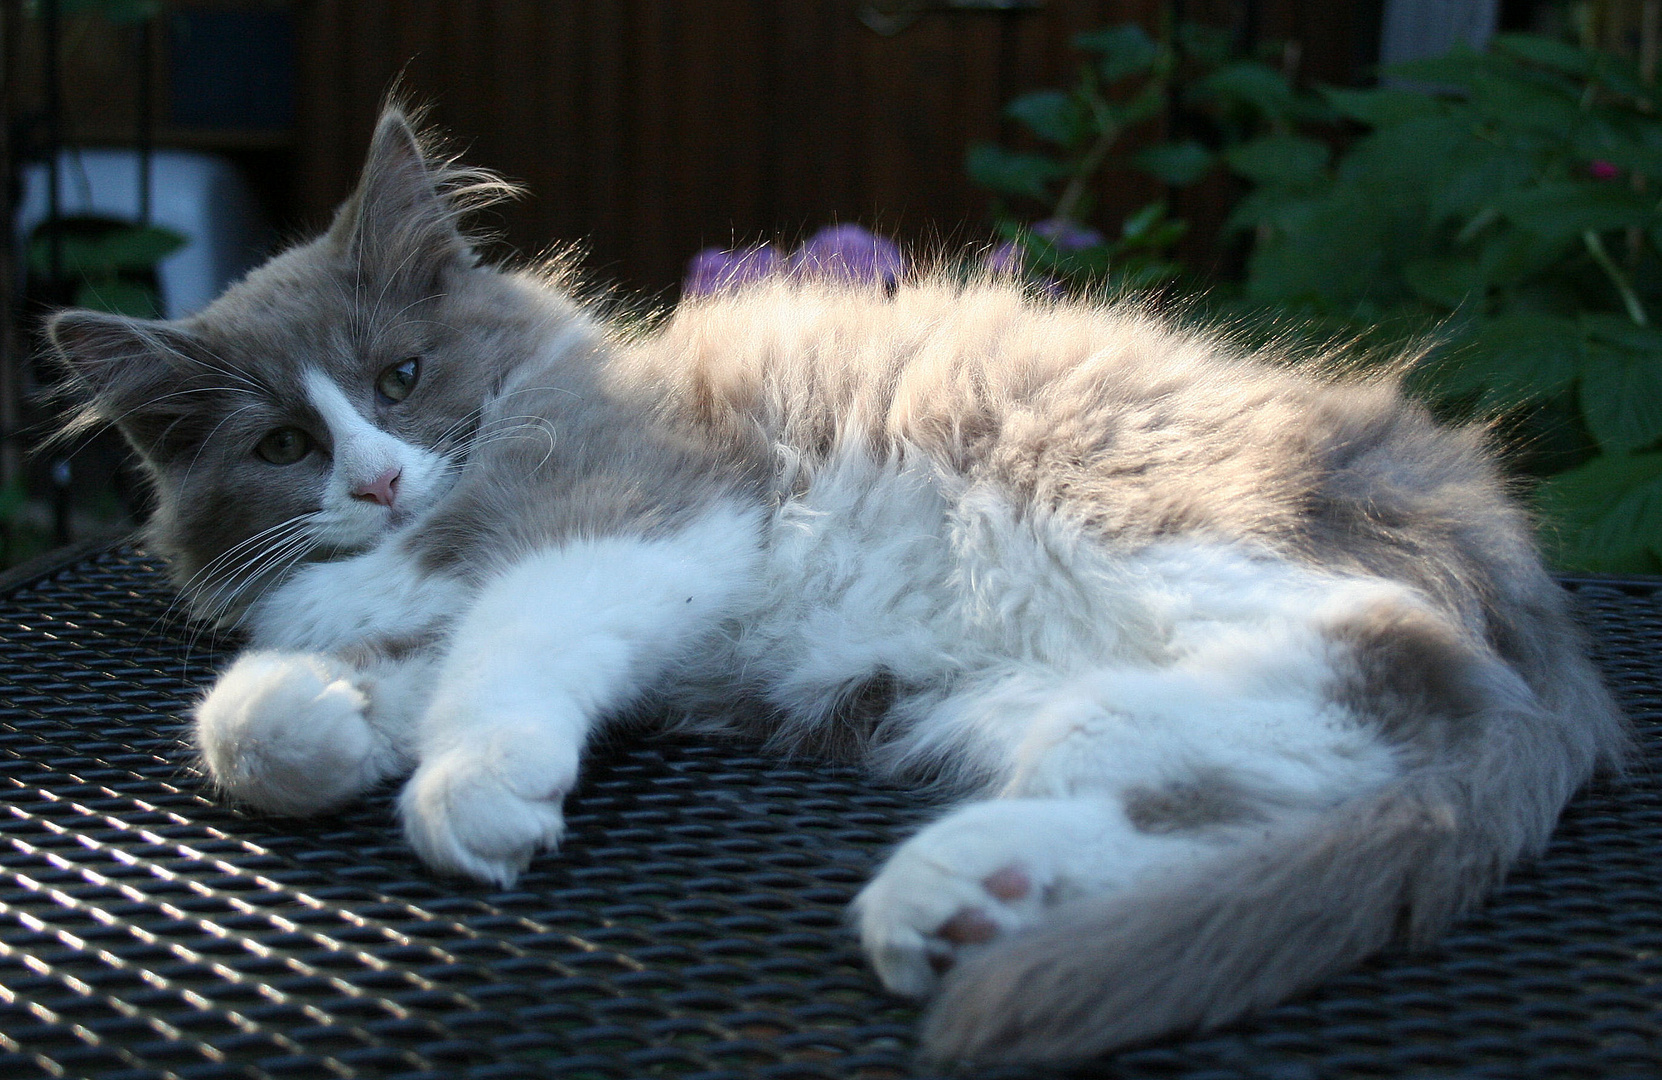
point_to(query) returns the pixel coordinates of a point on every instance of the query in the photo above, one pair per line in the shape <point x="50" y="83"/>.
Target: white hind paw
<point x="969" y="878"/>
<point x="483" y="810"/>
<point x="286" y="732"/>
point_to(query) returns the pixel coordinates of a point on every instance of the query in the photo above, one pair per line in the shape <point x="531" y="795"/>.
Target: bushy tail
<point x="1269" y="919"/>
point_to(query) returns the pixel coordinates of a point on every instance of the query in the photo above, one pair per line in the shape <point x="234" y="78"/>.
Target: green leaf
<point x="1599" y="515"/>
<point x="77" y="256"/>
<point x="133" y="247"/>
<point x="1179" y="163"/>
<point x="1449" y="282"/>
<point x="1510" y="256"/>
<point x="1250" y="82"/>
<point x="1567" y="208"/>
<point x="1513" y="360"/>
<point x="1459" y="67"/>
<point x="1288" y="160"/>
<point x="1546" y="51"/>
<point x="1619" y="333"/>
<point x="1139" y="223"/>
<point x="1406" y="159"/>
<point x="1125" y="50"/>
<point x="1210" y="45"/>
<point x="140" y="247"/>
<point x="1472" y="176"/>
<point x="1147" y="102"/>
<point x="1621" y="384"/>
<point x="1527" y="104"/>
<point x="1623" y="139"/>
<point x="119" y="298"/>
<point x="1012" y="173"/>
<point x="1331" y="249"/>
<point x="1052" y="115"/>
<point x="1380" y="108"/>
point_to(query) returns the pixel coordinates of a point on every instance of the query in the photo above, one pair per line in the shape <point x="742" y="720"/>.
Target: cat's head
<point x="329" y="396"/>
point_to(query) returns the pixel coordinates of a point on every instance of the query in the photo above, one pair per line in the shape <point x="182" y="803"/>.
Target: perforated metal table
<point x="691" y="926"/>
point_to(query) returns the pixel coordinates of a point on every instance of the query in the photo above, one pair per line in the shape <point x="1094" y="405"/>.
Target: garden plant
<point x="1498" y="212"/>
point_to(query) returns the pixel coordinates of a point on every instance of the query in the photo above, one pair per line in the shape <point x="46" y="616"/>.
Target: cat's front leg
<point x="990" y="868"/>
<point x="300" y="733"/>
<point x="324" y="706"/>
<point x="551" y="646"/>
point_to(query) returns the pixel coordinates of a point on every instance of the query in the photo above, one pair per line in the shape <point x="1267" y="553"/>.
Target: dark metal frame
<point x="691" y="925"/>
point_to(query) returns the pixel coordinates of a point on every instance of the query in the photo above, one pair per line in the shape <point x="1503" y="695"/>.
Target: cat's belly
<point x="883" y="581"/>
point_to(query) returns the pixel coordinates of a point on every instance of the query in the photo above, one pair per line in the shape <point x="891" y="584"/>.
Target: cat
<point x="1239" y="670"/>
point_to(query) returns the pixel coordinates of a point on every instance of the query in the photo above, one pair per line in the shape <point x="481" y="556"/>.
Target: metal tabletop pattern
<point x="691" y="926"/>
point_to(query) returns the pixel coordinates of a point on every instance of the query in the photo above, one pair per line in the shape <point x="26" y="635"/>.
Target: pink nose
<point x="380" y="489"/>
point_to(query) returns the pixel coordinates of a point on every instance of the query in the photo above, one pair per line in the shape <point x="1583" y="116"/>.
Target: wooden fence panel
<point x="650" y="128"/>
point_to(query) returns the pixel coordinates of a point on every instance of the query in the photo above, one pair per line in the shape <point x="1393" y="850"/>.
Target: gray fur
<point x="562" y="424"/>
<point x="1209" y="801"/>
<point x="393" y="277"/>
<point x="1497" y="761"/>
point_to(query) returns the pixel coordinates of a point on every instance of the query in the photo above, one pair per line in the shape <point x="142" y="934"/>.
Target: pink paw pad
<point x="1008" y="884"/>
<point x="968" y="927"/>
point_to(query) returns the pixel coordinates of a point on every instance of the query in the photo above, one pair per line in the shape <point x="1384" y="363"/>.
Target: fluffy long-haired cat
<point x="1238" y="670"/>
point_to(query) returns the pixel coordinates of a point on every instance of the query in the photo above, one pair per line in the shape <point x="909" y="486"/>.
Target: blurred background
<point x="1374" y="171"/>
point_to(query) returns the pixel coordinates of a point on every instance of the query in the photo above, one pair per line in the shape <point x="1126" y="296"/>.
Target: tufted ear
<point x="402" y="224"/>
<point x="124" y="371"/>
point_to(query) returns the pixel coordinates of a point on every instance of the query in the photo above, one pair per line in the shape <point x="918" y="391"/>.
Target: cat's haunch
<point x="1239" y="670"/>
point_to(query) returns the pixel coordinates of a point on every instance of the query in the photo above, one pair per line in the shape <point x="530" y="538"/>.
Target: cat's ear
<point x="403" y="221"/>
<point x="120" y="370"/>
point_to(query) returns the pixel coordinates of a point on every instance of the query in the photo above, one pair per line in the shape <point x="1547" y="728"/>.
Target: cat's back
<point x="1143" y="428"/>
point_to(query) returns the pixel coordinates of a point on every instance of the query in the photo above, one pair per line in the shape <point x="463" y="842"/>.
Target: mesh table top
<point x="691" y="925"/>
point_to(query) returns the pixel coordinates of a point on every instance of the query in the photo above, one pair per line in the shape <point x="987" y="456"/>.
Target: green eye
<point x="284" y="446"/>
<point x="397" y="380"/>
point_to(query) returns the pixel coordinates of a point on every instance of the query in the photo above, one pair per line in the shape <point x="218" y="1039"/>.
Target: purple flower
<point x="1003" y="259"/>
<point x="713" y="270"/>
<point x="1603" y="170"/>
<point x="1066" y="234"/>
<point x="849" y="251"/>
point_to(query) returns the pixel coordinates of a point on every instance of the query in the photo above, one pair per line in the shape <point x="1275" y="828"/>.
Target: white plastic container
<point x="200" y="196"/>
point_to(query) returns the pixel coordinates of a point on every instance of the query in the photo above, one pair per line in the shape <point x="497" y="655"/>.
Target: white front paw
<point x="957" y="885"/>
<point x="484" y="808"/>
<point x="286" y="732"/>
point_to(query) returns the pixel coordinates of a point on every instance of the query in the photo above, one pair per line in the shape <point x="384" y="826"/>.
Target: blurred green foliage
<point x="1505" y="202"/>
<point x="111" y="264"/>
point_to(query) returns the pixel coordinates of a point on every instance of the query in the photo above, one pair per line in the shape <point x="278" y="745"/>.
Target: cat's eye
<point x="284" y="445"/>
<point x="397" y="380"/>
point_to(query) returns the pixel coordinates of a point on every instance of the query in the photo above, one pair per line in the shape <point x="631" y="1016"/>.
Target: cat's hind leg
<point x="994" y="867"/>
<point x="1110" y="781"/>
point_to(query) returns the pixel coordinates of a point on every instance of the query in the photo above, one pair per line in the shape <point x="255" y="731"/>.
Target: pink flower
<point x="713" y="269"/>
<point x="1603" y="170"/>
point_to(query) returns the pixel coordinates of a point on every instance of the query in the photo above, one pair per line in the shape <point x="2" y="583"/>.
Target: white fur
<point x="1068" y="676"/>
<point x="361" y="452"/>
<point x="548" y="648"/>
<point x="292" y="728"/>
<point x="1061" y="849"/>
<point x="288" y="732"/>
<point x="1054" y="672"/>
<point x="329" y="605"/>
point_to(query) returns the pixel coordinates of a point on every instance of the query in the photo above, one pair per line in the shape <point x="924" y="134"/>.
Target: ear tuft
<point x="404" y="219"/>
<point x="114" y="365"/>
